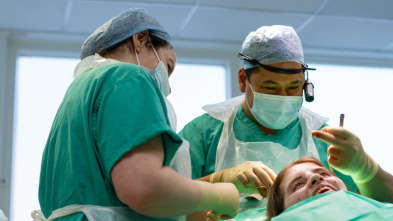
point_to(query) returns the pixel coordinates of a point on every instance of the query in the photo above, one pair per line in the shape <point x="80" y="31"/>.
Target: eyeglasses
<point x="254" y="61"/>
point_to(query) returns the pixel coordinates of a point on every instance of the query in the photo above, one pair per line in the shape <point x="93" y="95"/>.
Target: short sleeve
<point x="128" y="114"/>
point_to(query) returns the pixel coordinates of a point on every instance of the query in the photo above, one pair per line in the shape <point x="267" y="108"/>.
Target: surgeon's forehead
<point x="265" y="75"/>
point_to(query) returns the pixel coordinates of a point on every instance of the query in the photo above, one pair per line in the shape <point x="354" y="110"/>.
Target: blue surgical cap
<point x="121" y="27"/>
<point x="272" y="44"/>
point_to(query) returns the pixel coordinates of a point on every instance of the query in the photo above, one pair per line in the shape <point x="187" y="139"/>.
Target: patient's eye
<point x="297" y="186"/>
<point x="324" y="174"/>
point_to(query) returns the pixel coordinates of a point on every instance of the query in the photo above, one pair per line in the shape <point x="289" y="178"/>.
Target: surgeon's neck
<point x="265" y="130"/>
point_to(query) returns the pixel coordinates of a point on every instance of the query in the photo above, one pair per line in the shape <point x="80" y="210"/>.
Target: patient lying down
<point x="306" y="190"/>
<point x="301" y="180"/>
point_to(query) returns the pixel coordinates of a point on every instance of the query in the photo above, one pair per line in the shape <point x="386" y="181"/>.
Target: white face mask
<point x="274" y="111"/>
<point x="159" y="74"/>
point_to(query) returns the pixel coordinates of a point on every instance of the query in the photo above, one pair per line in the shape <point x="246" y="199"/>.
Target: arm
<point x="203" y="134"/>
<point x="246" y="177"/>
<point x="379" y="188"/>
<point x="348" y="156"/>
<point x="147" y="187"/>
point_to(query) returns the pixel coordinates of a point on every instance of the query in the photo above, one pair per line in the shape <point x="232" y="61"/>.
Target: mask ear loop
<point x="253" y="92"/>
<point x="155" y="52"/>
<point x="136" y="54"/>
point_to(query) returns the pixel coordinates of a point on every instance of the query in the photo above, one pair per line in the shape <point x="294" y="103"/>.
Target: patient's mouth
<point x="324" y="189"/>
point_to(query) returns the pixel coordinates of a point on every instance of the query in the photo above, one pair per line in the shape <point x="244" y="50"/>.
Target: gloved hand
<point x="220" y="197"/>
<point x="248" y="177"/>
<point x="213" y="216"/>
<point x="347" y="154"/>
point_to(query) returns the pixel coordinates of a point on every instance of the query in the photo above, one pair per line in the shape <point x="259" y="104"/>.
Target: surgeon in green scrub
<point x="248" y="139"/>
<point x="112" y="151"/>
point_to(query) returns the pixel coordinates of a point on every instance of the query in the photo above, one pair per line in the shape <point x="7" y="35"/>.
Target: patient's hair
<point x="275" y="203"/>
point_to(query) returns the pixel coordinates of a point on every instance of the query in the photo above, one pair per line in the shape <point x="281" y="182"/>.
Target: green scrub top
<point x="340" y="205"/>
<point x="203" y="133"/>
<point x="106" y="112"/>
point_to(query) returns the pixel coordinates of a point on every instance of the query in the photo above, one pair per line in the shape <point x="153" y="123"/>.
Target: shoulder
<point x="122" y="71"/>
<point x="119" y="75"/>
<point x="202" y="125"/>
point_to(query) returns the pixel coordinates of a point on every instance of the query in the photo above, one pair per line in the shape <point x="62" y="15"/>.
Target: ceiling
<point x="351" y="28"/>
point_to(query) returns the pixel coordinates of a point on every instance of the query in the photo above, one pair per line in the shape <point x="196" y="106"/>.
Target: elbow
<point x="142" y="200"/>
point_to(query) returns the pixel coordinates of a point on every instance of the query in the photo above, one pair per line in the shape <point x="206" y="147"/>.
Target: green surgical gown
<point x="203" y="133"/>
<point x="106" y="112"/>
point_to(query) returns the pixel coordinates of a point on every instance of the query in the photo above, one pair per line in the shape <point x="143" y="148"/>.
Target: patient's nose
<point x="316" y="178"/>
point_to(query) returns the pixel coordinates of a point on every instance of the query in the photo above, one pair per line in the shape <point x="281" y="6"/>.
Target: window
<point x="364" y="95"/>
<point x="193" y="86"/>
<point x="40" y="86"/>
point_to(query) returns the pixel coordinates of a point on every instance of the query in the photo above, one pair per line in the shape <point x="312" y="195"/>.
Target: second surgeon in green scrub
<point x="112" y="148"/>
<point x="268" y="124"/>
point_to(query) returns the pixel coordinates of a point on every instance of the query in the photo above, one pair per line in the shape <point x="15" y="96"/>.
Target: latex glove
<point x="220" y="197"/>
<point x="247" y="177"/>
<point x="347" y="154"/>
<point x="213" y="216"/>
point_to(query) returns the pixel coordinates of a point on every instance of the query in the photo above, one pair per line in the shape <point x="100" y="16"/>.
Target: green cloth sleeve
<point x="129" y="114"/>
<point x="203" y="134"/>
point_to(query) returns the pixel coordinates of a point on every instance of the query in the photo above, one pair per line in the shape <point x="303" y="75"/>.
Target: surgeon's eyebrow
<point x="269" y="82"/>
<point x="273" y="82"/>
<point x="296" y="82"/>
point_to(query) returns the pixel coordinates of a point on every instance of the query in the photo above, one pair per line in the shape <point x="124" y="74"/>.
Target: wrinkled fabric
<point x="90" y="62"/>
<point x="275" y="111"/>
<point x="232" y="152"/>
<point x="340" y="205"/>
<point x="272" y="44"/>
<point x="91" y="133"/>
<point x="98" y="213"/>
<point x="204" y="133"/>
<point x="121" y="27"/>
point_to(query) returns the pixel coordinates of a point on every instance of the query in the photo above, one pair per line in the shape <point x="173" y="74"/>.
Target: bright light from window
<point x="364" y="95"/>
<point x="194" y="86"/>
<point x="40" y="86"/>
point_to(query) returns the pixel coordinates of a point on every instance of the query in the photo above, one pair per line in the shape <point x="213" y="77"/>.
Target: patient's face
<point x="308" y="179"/>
